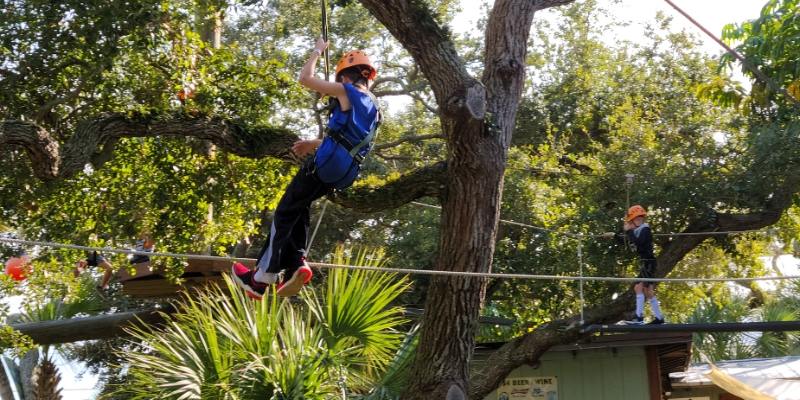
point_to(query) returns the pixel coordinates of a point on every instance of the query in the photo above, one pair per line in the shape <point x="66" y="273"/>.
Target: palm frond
<point x="223" y="345"/>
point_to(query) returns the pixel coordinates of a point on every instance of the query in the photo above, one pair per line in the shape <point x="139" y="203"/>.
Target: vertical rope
<point x="324" y="5"/>
<point x="580" y="271"/>
<point x="628" y="183"/>
<point x="314" y="234"/>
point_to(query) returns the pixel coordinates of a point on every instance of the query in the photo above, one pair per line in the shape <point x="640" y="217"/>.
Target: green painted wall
<point x="593" y="374"/>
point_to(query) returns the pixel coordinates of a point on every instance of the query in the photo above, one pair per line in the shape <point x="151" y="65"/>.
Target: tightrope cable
<point x="403" y="270"/>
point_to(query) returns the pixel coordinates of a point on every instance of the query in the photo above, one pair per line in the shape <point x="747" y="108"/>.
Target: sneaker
<point x="243" y="277"/>
<point x="635" y="321"/>
<point x="656" y="321"/>
<point x="296" y="282"/>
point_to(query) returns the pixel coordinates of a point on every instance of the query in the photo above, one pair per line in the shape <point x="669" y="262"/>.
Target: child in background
<point x="640" y="238"/>
<point x="145" y="243"/>
<point x="94" y="259"/>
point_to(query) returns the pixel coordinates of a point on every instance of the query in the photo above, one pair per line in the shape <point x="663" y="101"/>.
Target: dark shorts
<point x="647" y="271"/>
<point x="94" y="259"/>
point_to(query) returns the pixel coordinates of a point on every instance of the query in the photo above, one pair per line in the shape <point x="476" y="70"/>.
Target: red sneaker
<point x="296" y="282"/>
<point x="243" y="277"/>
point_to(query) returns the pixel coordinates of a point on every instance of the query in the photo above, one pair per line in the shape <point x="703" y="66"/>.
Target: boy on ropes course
<point x="640" y="239"/>
<point x="351" y="127"/>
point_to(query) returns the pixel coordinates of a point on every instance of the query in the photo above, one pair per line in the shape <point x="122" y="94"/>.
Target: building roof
<point x="778" y="377"/>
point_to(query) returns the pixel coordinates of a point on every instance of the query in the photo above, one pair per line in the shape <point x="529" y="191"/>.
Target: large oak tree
<point x="477" y="115"/>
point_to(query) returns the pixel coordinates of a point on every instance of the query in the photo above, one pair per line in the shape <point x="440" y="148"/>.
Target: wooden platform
<point x="149" y="282"/>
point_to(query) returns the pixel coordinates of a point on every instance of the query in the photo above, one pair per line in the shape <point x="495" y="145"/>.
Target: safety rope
<point x="746" y="63"/>
<point x="324" y="6"/>
<point x="314" y="234"/>
<point x="580" y="271"/>
<point x="401" y="270"/>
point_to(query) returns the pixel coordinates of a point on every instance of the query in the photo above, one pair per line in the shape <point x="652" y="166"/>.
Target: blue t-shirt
<point x="355" y="123"/>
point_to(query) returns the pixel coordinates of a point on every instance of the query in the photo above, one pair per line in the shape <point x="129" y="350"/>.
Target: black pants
<point x="289" y="231"/>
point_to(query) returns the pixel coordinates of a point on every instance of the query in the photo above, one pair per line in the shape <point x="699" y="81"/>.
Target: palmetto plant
<point x="739" y="345"/>
<point x="223" y="345"/>
<point x="58" y="301"/>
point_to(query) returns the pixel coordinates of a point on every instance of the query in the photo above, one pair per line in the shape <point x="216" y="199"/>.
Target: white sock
<point x="640" y="305"/>
<point x="656" y="308"/>
<point x="265" y="277"/>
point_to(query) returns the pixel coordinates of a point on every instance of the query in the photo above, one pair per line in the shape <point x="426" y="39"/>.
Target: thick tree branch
<point x="51" y="160"/>
<point x="427" y="181"/>
<point x="391" y="92"/>
<point x="94" y="141"/>
<point x="407" y="139"/>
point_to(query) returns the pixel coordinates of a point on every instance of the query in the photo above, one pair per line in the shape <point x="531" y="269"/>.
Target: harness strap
<point x="372" y="132"/>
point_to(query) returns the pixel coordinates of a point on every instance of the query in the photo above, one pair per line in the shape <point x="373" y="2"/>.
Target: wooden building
<point x="632" y="366"/>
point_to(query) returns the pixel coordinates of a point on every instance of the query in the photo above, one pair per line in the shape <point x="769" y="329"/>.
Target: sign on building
<point x="529" y="388"/>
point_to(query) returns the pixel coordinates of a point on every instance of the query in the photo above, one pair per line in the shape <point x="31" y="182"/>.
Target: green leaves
<point x="358" y="310"/>
<point x="769" y="43"/>
<point x="737" y="345"/>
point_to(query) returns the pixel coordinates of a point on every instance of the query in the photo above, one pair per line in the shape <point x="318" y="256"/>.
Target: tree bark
<point x="477" y="121"/>
<point x="50" y="160"/>
<point x="46" y="379"/>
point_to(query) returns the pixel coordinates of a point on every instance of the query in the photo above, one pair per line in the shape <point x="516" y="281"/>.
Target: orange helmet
<point x="635" y="211"/>
<point x="354" y="58"/>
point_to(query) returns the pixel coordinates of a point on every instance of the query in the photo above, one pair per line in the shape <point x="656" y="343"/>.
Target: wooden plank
<point x="162" y="288"/>
<point x="141" y="270"/>
<point x="214" y="265"/>
<point x="653" y="373"/>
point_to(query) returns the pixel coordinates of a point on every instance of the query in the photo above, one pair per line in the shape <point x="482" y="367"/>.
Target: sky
<point x="713" y="14"/>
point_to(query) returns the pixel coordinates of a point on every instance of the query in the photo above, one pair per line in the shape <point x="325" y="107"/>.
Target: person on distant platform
<point x="95" y="260"/>
<point x="145" y="244"/>
<point x="640" y="238"/>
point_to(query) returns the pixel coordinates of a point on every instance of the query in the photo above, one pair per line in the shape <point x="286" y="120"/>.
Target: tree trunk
<point x="471" y="206"/>
<point x="469" y="222"/>
<point x="45" y="381"/>
<point x="477" y="121"/>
